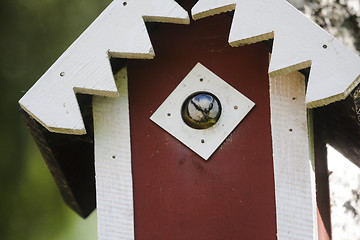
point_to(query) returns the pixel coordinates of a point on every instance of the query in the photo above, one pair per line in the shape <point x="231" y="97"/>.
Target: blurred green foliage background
<point x="33" y="34"/>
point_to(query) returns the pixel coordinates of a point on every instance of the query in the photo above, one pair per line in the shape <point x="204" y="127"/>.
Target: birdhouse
<point x="198" y="120"/>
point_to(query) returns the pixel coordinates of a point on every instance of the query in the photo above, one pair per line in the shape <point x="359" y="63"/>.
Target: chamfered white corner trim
<point x="298" y="43"/>
<point x="84" y="67"/>
<point x="294" y="175"/>
<point x="114" y="181"/>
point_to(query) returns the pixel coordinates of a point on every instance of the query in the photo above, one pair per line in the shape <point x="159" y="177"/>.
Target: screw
<point x="62" y="74"/>
<point x="124" y="3"/>
<point x="235" y="107"/>
<point x="324" y="46"/>
<point x="202" y="140"/>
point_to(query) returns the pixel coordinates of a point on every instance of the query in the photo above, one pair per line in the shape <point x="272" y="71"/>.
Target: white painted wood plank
<point x="294" y="175"/>
<point x="114" y="191"/>
<point x="298" y="44"/>
<point x="85" y="68"/>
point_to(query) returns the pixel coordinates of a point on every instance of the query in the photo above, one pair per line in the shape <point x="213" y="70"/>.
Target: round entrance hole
<point x="201" y="110"/>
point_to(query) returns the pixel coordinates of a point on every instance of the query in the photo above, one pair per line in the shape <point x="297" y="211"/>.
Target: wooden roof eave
<point x="70" y="159"/>
<point x="339" y="125"/>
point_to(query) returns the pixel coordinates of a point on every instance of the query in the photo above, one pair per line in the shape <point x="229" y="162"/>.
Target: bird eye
<point x="201" y="110"/>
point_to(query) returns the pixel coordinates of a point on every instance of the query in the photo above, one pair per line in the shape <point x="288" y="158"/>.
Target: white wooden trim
<point x="298" y="43"/>
<point x="114" y="191"/>
<point x="84" y="67"/>
<point x="293" y="170"/>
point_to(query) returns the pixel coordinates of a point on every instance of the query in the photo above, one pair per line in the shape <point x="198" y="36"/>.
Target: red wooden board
<point x="178" y="195"/>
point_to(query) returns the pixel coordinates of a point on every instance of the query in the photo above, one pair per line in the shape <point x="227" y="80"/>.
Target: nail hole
<point x="235" y="107"/>
<point x="294" y="98"/>
<point x="202" y="141"/>
<point x="113" y="157"/>
<point x="290" y="130"/>
<point x="201" y="79"/>
<point x="169" y="114"/>
<point x="325" y="46"/>
<point x="124" y="3"/>
<point x="62" y="74"/>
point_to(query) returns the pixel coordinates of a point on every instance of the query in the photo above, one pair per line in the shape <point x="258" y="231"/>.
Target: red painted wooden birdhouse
<point x="213" y="130"/>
